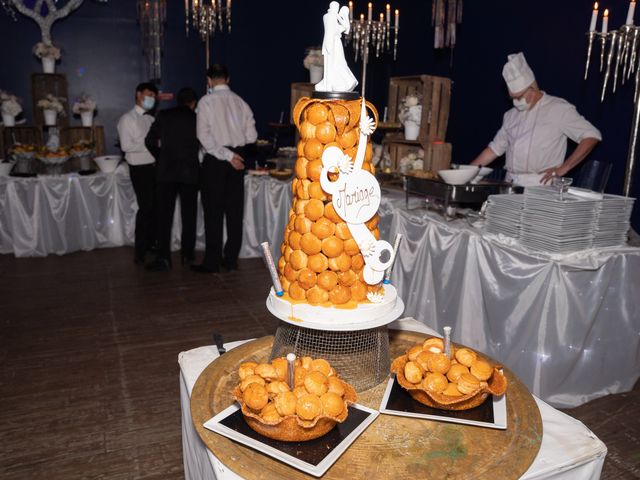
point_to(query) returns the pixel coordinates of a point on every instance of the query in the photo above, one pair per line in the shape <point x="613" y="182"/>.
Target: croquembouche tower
<point x="329" y="286"/>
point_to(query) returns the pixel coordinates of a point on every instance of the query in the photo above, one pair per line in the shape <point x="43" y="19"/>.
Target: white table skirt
<point x="66" y="213"/>
<point x="568" y="451"/>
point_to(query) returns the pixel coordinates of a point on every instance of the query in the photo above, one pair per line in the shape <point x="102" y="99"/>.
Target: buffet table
<point x="568" y="449"/>
<point x="60" y="214"/>
<point x="566" y="325"/>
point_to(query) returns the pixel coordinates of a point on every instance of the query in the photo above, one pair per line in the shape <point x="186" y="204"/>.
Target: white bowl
<point x="108" y="163"/>
<point x="459" y="176"/>
<point x="5" y="168"/>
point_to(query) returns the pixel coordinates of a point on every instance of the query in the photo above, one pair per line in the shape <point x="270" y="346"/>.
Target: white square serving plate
<point x="313" y="457"/>
<point x="491" y="414"/>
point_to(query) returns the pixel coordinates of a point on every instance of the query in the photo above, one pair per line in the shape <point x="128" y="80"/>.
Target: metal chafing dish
<point x="450" y="197"/>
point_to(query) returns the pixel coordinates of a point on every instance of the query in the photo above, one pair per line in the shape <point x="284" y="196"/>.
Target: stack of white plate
<point x="612" y="221"/>
<point x="503" y="214"/>
<point x="553" y="225"/>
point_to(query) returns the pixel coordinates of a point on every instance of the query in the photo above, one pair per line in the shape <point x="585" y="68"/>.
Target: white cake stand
<point x="363" y="317"/>
<point x="355" y="341"/>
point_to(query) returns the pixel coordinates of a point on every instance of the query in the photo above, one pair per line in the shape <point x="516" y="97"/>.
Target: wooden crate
<point x="26" y="135"/>
<point x="299" y="90"/>
<point x="436" y="99"/>
<point x="71" y="135"/>
<point x="437" y="156"/>
<point x="43" y="84"/>
<point x="397" y="151"/>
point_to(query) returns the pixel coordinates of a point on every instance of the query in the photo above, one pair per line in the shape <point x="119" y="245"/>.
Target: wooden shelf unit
<point x="436" y="98"/>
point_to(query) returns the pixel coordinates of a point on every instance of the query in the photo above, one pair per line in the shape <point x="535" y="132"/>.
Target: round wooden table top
<point x="392" y="446"/>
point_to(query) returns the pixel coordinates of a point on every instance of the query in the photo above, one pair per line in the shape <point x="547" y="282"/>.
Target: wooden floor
<point x="89" y="377"/>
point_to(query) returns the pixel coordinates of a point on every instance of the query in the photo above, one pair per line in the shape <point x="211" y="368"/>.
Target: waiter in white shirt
<point x="227" y="131"/>
<point x="133" y="127"/>
<point x="534" y="132"/>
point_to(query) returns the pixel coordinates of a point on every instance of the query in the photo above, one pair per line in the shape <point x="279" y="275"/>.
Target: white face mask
<point x="520" y="104"/>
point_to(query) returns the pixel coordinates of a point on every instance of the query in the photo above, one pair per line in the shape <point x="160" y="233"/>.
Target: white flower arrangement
<point x="83" y="104"/>
<point x="411" y="109"/>
<point x="412" y="161"/>
<point x="46" y="50"/>
<point x="10" y="104"/>
<point x="314" y="57"/>
<point x="51" y="102"/>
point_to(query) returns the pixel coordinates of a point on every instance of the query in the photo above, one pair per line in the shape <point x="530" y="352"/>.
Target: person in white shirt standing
<point x="133" y="127"/>
<point x="534" y="132"/>
<point x="227" y="131"/>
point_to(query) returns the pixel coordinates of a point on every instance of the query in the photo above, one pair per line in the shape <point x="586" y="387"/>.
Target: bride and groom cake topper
<point x="337" y="75"/>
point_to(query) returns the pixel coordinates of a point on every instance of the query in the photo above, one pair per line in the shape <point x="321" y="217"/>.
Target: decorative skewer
<point x="291" y="365"/>
<point x="612" y="48"/>
<point x="396" y="244"/>
<point x="447" y="341"/>
<point x="266" y="252"/>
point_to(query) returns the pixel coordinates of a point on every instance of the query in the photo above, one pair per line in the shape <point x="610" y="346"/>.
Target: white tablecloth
<point x="568" y="451"/>
<point x="66" y="213"/>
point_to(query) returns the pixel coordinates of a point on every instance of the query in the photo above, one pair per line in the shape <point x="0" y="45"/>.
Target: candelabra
<point x="619" y="61"/>
<point x="206" y="17"/>
<point x="366" y="35"/>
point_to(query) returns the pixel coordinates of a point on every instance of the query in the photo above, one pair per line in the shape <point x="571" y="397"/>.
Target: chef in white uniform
<point x="534" y="132"/>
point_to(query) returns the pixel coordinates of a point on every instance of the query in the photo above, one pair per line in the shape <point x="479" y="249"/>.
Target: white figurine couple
<point x="337" y="75"/>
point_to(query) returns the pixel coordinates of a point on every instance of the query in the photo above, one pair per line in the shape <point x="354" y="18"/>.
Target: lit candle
<point x="397" y="19"/>
<point x="630" y="12"/>
<point x="594" y="18"/>
<point x="369" y="12"/>
<point x="381" y="17"/>
<point x="605" y="21"/>
<point x="388" y="15"/>
<point x="351" y="11"/>
<point x="362" y="18"/>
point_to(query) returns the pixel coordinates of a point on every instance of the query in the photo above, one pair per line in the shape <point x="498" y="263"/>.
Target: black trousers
<point x="222" y="190"/>
<point x="143" y="178"/>
<point x="166" y="205"/>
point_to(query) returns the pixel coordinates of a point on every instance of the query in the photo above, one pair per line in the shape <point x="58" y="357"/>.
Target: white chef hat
<point x="517" y="73"/>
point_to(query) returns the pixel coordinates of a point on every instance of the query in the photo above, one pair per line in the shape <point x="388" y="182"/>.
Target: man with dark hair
<point x="133" y="127"/>
<point x="173" y="142"/>
<point x="226" y="130"/>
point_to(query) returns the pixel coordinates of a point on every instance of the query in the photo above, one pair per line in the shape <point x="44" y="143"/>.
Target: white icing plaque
<point x="356" y="197"/>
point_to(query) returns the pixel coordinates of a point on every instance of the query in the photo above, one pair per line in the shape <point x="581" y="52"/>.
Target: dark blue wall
<point x="102" y="56"/>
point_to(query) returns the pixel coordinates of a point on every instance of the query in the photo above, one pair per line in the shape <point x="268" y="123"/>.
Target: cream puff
<point x="255" y="396"/>
<point x="467" y="383"/>
<point x="465" y="356"/>
<point x="308" y="407"/>
<point x="481" y="370"/>
<point x="285" y="403"/>
<point x="316" y="383"/>
<point x="435" y="382"/>
<point x="332" y="404"/>
<point x="413" y="372"/>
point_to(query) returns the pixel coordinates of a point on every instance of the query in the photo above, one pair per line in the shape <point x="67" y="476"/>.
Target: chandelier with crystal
<point x="206" y="17"/>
